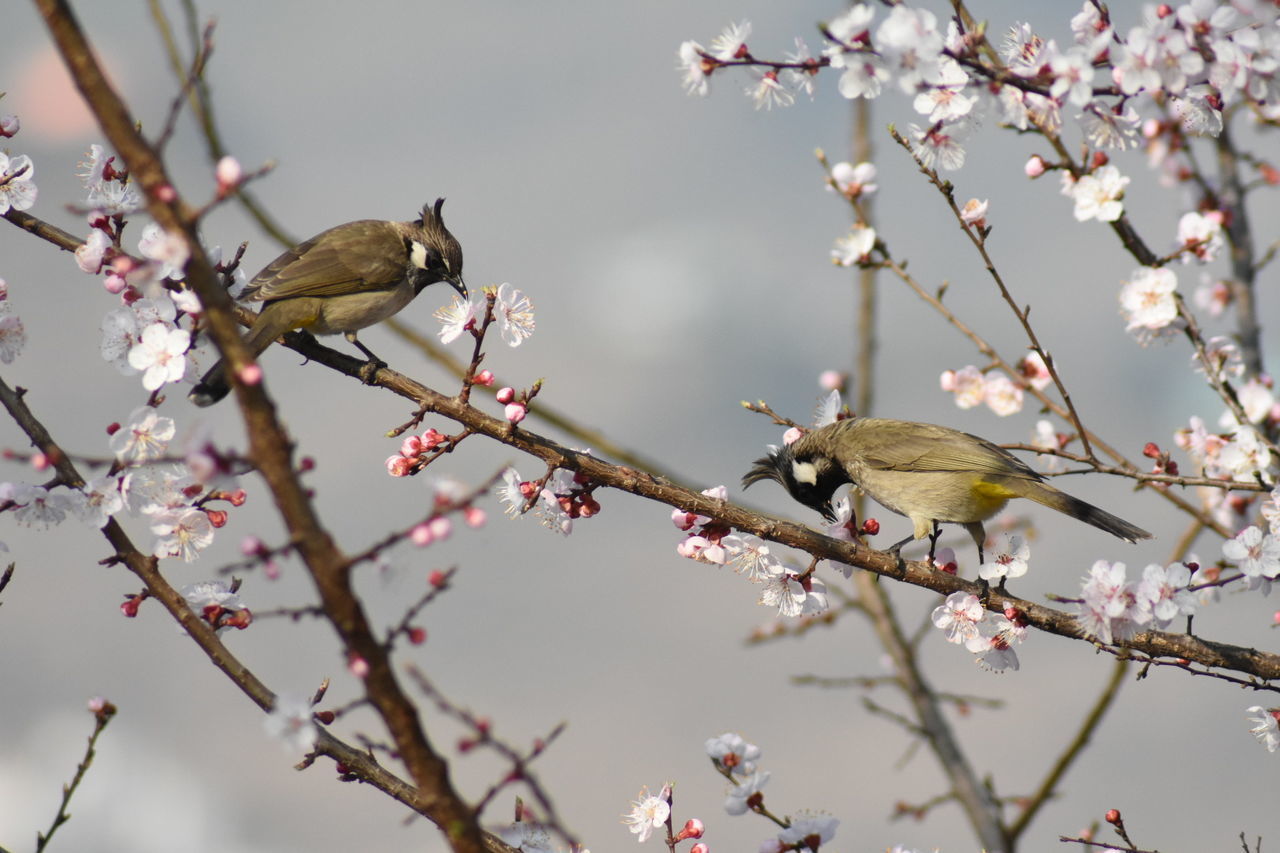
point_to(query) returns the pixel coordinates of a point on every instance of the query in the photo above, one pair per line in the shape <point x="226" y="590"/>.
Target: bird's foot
<point x="369" y="370"/>
<point x="896" y="551"/>
<point x="984" y="594"/>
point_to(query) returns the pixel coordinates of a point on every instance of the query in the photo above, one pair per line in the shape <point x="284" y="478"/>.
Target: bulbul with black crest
<point x="343" y="280"/>
<point x="931" y="474"/>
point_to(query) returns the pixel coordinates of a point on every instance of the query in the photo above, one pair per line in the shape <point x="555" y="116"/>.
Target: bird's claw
<point x="369" y="370"/>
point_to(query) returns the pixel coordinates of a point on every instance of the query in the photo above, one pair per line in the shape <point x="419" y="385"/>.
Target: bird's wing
<point x="925" y="447"/>
<point x="317" y="267"/>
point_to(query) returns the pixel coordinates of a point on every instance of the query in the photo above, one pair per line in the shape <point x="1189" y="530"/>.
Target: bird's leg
<point x="933" y="540"/>
<point x="372" y="365"/>
<point x="979" y="535"/>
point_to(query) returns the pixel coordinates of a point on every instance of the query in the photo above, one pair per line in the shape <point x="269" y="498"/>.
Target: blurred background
<point x="676" y="252"/>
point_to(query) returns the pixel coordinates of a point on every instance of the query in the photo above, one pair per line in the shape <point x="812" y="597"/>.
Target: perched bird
<point x="342" y="280"/>
<point x="931" y="474"/>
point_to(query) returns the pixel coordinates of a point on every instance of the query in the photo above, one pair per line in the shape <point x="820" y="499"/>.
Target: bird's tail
<point x="1042" y="493"/>
<point x="213" y="386"/>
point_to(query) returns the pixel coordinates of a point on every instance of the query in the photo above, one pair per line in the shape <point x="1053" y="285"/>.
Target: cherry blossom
<point x="514" y="313"/>
<point x="161" y="355"/>
<point x="17" y="189"/>
<point x="647" y="814"/>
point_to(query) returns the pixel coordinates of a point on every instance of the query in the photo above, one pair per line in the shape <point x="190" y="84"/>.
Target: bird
<point x="930" y="474"/>
<point x="342" y="280"/>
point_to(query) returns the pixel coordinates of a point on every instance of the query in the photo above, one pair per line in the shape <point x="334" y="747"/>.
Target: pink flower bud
<point x="791" y="435"/>
<point x="421" y="535"/>
<point x="474" y="516"/>
<point x="167" y="194"/>
<point x="399" y="466"/>
<point x="411" y="446"/>
<point x="441" y="527"/>
<point x="692" y="829"/>
<point x="1035" y="167"/>
<point x="113" y="283"/>
<point x="39" y="461"/>
<point x="357" y="666"/>
<point x="228" y="173"/>
<point x="250" y="374"/>
<point x="515" y="412"/>
<point x="831" y="380"/>
<point x="505" y="395"/>
<point x="9" y="125"/>
<point x="485" y="378"/>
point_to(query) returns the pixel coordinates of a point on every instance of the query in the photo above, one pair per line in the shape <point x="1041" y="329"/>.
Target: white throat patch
<point x="805" y="472"/>
<point x="418" y="255"/>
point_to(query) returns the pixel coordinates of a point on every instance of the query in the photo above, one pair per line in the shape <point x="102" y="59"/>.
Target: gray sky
<point x="676" y="250"/>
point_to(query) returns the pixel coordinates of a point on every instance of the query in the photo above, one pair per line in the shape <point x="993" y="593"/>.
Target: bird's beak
<point x="460" y="286"/>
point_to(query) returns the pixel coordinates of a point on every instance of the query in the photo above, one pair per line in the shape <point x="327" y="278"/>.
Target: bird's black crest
<point x="443" y="251"/>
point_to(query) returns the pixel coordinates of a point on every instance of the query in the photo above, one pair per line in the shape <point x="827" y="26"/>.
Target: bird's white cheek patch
<point x="418" y="255"/>
<point x="805" y="472"/>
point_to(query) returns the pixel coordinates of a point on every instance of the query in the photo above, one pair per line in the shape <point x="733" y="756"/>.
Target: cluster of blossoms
<point x="512" y="311"/>
<point x="1201" y="58"/>
<point x="1239" y="454"/>
<point x="566" y="495"/>
<point x="792" y="591"/>
<point x="415" y="452"/>
<point x="143" y="336"/>
<point x="1113" y="609"/>
<point x="1183" y="66"/>
<point x="174" y="498"/>
<point x="1002" y="395"/>
<point x="151" y="333"/>
<point x="990" y="636"/>
<point x="735" y="759"/>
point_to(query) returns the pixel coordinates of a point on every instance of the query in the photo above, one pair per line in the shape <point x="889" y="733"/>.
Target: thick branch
<point x="270" y="447"/>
